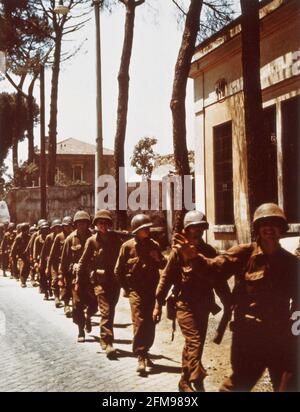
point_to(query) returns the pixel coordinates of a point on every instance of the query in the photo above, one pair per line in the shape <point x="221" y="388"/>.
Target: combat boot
<point x="110" y="352"/>
<point x="46" y="296"/>
<point x="88" y="325"/>
<point x="148" y="361"/>
<point x="4" y="275"/>
<point x="23" y="285"/>
<point x="141" y="369"/>
<point x="57" y="303"/>
<point x="184" y="386"/>
<point x="81" y="335"/>
<point x="68" y="311"/>
<point x="103" y="344"/>
<point x="197" y="386"/>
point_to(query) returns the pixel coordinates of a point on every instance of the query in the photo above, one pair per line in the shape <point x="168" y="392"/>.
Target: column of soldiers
<point x="84" y="264"/>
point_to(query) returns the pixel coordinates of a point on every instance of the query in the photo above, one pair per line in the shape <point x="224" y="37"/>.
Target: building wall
<point x="65" y="164"/>
<point x="24" y="204"/>
<point x="280" y="39"/>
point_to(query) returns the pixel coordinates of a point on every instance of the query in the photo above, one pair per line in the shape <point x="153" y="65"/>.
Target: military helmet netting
<point x="140" y="221"/>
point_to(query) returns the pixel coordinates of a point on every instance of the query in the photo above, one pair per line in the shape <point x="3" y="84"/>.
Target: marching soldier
<point x="194" y="300"/>
<point x="54" y="260"/>
<point x="137" y="269"/>
<point x="82" y="293"/>
<point x="99" y="259"/>
<point x="29" y="251"/>
<point x="45" y="271"/>
<point x="2" y="231"/>
<point x="6" y="244"/>
<point x="19" y="255"/>
<point x="33" y="232"/>
<point x="13" y="263"/>
<point x="267" y="281"/>
<point x="39" y="241"/>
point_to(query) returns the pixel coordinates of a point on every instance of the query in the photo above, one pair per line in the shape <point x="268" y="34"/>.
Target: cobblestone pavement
<point x="39" y="351"/>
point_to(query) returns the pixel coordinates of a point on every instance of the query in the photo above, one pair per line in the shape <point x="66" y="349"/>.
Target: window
<point x="223" y="174"/>
<point x="291" y="158"/>
<point x="77" y="173"/>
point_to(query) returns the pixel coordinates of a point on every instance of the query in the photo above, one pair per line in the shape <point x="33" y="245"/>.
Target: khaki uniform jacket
<point x="30" y="246"/>
<point x="71" y="253"/>
<point x="56" y="252"/>
<point x="100" y="254"/>
<point x="45" y="252"/>
<point x="136" y="269"/>
<point x="189" y="286"/>
<point x="18" y="249"/>
<point x="37" y="248"/>
<point x="267" y="287"/>
<point x="7" y="241"/>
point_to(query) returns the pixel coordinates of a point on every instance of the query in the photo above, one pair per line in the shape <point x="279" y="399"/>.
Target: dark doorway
<point x="224" y="214"/>
<point x="271" y="167"/>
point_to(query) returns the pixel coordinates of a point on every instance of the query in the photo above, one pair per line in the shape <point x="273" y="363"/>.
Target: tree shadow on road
<point x="123" y="341"/>
<point x="164" y="369"/>
<point x="122" y="325"/>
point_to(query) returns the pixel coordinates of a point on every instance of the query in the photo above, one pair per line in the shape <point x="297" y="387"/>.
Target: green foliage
<point x="24" y="34"/>
<point x="26" y="175"/>
<point x="12" y="119"/>
<point x="143" y="157"/>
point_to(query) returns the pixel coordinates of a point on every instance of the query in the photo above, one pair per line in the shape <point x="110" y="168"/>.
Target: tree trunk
<point x="15" y="156"/>
<point x="53" y="109"/>
<point x="17" y="128"/>
<point x="31" y="121"/>
<point x="256" y="140"/>
<point x="177" y="104"/>
<point x="123" y="80"/>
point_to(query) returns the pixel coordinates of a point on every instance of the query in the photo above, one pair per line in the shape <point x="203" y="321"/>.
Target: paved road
<point x="39" y="351"/>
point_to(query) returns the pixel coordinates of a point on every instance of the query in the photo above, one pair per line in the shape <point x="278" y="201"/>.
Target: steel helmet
<point x="267" y="211"/>
<point x="24" y="226"/>
<point x="81" y="215"/>
<point x="40" y="222"/>
<point x="102" y="214"/>
<point x="44" y="226"/>
<point x="55" y="222"/>
<point x="67" y="221"/>
<point x="32" y="229"/>
<point x="193" y="218"/>
<point x="11" y="226"/>
<point x="140" y="221"/>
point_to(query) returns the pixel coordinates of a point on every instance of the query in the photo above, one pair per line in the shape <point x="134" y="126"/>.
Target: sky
<point x="157" y="39"/>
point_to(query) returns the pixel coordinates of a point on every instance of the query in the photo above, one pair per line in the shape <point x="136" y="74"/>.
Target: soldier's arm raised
<point x="170" y="274"/>
<point x="224" y="265"/>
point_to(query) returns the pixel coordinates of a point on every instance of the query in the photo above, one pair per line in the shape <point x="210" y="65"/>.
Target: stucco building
<point x="75" y="161"/>
<point x="220" y="147"/>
